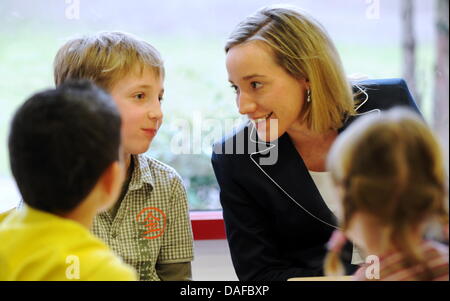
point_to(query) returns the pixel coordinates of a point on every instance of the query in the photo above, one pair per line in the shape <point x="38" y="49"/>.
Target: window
<point x="199" y="106"/>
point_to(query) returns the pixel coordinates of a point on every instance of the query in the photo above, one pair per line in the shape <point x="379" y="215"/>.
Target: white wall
<point x="212" y="261"/>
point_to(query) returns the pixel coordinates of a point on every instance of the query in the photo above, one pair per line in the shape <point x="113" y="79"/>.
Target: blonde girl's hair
<point x="302" y="47"/>
<point x="391" y="166"/>
<point x="104" y="58"/>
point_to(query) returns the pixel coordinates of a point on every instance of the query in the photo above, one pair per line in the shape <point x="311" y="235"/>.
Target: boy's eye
<point x="235" y="88"/>
<point x="256" y="85"/>
<point x="139" y="96"/>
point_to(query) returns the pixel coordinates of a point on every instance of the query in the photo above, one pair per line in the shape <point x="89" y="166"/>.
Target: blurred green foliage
<point x="196" y="82"/>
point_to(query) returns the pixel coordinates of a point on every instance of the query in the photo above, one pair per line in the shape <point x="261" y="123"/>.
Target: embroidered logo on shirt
<point x="154" y="220"/>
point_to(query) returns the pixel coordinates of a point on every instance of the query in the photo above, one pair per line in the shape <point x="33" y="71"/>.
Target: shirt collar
<point x="141" y="173"/>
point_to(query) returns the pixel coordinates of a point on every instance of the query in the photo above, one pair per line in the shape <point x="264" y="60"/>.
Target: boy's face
<point x="138" y="97"/>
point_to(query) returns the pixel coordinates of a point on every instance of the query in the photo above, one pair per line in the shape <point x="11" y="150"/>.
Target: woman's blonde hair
<point x="104" y="58"/>
<point x="303" y="48"/>
<point x="391" y="167"/>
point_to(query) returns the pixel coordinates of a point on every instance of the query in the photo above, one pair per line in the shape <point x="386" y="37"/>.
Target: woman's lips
<point x="262" y="122"/>
<point x="264" y="118"/>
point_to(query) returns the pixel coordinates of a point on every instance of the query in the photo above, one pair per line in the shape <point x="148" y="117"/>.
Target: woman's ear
<point x="305" y="83"/>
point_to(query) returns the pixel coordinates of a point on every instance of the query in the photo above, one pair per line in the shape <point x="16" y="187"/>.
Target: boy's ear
<point x="112" y="179"/>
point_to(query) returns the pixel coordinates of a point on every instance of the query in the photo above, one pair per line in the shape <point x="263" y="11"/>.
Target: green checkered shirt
<point x="152" y="224"/>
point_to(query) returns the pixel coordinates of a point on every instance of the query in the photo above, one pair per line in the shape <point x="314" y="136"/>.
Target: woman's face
<point x="265" y="92"/>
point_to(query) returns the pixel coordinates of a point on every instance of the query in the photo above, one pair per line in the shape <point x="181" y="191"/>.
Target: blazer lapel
<point x="290" y="175"/>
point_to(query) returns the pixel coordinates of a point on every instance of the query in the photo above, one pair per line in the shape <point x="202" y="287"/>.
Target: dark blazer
<point x="276" y="221"/>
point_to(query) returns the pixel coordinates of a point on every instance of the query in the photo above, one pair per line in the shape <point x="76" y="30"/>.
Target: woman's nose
<point x="245" y="104"/>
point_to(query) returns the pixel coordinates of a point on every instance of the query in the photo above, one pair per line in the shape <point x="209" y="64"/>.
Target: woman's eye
<point x="160" y="98"/>
<point x="256" y="85"/>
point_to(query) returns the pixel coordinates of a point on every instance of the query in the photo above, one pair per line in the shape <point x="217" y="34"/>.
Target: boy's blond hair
<point x="104" y="58"/>
<point x="302" y="47"/>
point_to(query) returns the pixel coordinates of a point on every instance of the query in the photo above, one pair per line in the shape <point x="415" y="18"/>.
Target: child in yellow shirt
<point x="65" y="155"/>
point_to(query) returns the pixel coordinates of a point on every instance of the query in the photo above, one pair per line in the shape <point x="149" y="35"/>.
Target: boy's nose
<point x="245" y="104"/>
<point x="154" y="111"/>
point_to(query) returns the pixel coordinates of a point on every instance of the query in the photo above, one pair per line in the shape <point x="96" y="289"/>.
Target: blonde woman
<point x="276" y="193"/>
<point x="390" y="172"/>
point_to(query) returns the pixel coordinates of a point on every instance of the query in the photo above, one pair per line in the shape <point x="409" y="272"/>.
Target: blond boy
<point x="149" y="226"/>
